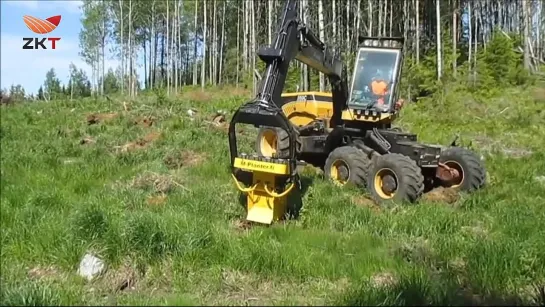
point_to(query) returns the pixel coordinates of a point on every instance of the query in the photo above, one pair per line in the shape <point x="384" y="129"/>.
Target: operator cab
<point x="376" y="74"/>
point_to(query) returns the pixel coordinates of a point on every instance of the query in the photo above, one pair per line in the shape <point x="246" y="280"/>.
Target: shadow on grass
<point x="424" y="289"/>
<point x="295" y="198"/>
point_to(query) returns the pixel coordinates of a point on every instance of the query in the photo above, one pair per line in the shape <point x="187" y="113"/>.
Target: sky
<point x="28" y="67"/>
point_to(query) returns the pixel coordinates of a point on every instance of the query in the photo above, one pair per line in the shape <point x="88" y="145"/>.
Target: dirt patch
<point x="310" y="170"/>
<point x="516" y="152"/>
<point x="219" y="118"/>
<point x="145" y="121"/>
<point x="156" y="200"/>
<point x="198" y="96"/>
<point x="40" y="272"/>
<point x="158" y="183"/>
<point x="415" y="250"/>
<point x="240" y="287"/>
<point x="539" y="94"/>
<point x="87" y="140"/>
<point x="458" y="264"/>
<point x="124" y="278"/>
<point x="185" y="158"/>
<point x="440" y="194"/>
<point x="218" y="121"/>
<point x="383" y="279"/>
<point x="139" y="144"/>
<point x="489" y="145"/>
<point x="365" y="202"/>
<point x="478" y="230"/>
<point x="96" y="118"/>
<point x="242" y="224"/>
<point x="64" y="132"/>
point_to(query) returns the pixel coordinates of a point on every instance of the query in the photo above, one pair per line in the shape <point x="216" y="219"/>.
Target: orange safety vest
<point x="379" y="88"/>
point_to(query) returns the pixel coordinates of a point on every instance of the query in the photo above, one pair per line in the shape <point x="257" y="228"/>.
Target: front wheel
<point x="395" y="178"/>
<point x="347" y="165"/>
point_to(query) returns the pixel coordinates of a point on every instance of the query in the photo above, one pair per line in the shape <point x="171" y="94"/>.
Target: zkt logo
<point x="41" y="26"/>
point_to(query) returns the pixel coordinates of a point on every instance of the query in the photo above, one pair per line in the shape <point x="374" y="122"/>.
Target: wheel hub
<point x="340" y="172"/>
<point x="389" y="184"/>
<point x="386" y="183"/>
<point x="343" y="172"/>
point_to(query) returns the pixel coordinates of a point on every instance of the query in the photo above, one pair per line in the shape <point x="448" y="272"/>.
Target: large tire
<point x="401" y="175"/>
<point x="274" y="141"/>
<point x="347" y="165"/>
<point x="468" y="164"/>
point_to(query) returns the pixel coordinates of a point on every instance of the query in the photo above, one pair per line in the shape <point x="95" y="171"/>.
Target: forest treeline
<point x="480" y="44"/>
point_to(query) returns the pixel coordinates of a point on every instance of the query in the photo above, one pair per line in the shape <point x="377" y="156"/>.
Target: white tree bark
<point x="269" y="12"/>
<point x="222" y="42"/>
<point x="417" y="31"/>
<point x="168" y="49"/>
<point x="438" y="34"/>
<point x="203" y="63"/>
<point x="321" y="30"/>
<point x="370" y="17"/>
<point x="195" y="66"/>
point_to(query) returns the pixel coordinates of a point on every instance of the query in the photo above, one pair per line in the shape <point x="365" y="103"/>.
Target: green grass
<point x="61" y="199"/>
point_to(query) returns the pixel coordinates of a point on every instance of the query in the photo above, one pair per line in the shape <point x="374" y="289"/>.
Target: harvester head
<point x="269" y="180"/>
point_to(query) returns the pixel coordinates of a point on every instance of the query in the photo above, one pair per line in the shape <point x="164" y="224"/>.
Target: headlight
<point x="367" y="42"/>
<point x="375" y="43"/>
<point x="386" y="44"/>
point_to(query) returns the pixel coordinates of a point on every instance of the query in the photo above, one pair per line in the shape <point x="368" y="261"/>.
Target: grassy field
<point x="157" y="204"/>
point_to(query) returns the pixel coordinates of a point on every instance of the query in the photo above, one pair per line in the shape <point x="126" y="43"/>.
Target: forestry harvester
<point x="347" y="132"/>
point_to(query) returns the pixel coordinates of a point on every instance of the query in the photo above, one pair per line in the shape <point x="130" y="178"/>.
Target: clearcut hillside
<point x="146" y="187"/>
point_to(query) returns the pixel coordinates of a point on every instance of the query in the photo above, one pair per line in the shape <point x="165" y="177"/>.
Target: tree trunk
<point x="195" y="66"/>
<point x="321" y="30"/>
<point x="168" y="49"/>
<point x="370" y="17"/>
<point x="153" y="47"/>
<point x="269" y="11"/>
<point x="203" y="63"/>
<point x="526" y="35"/>
<point x="438" y="33"/>
<point x="222" y="42"/>
<point x="176" y="45"/>
<point x="122" y="48"/>
<point x="470" y="33"/>
<point x="417" y="31"/>
<point x="103" y="45"/>
<point x="454" y="36"/>
<point x="334" y="3"/>
<point x="238" y="48"/>
<point x="306" y="81"/>
<point x="131" y="93"/>
<point x="245" y="37"/>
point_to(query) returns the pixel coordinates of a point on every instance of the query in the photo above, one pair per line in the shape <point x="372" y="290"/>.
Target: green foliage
<point x="111" y="83"/>
<point x="17" y="93"/>
<point x="78" y="85"/>
<point x="498" y="65"/>
<point x="501" y="63"/>
<point x="52" y="85"/>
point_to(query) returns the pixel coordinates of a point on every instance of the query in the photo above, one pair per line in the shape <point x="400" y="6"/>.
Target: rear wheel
<point x="395" y="178"/>
<point x="272" y="141"/>
<point x="347" y="165"/>
<point x="468" y="165"/>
